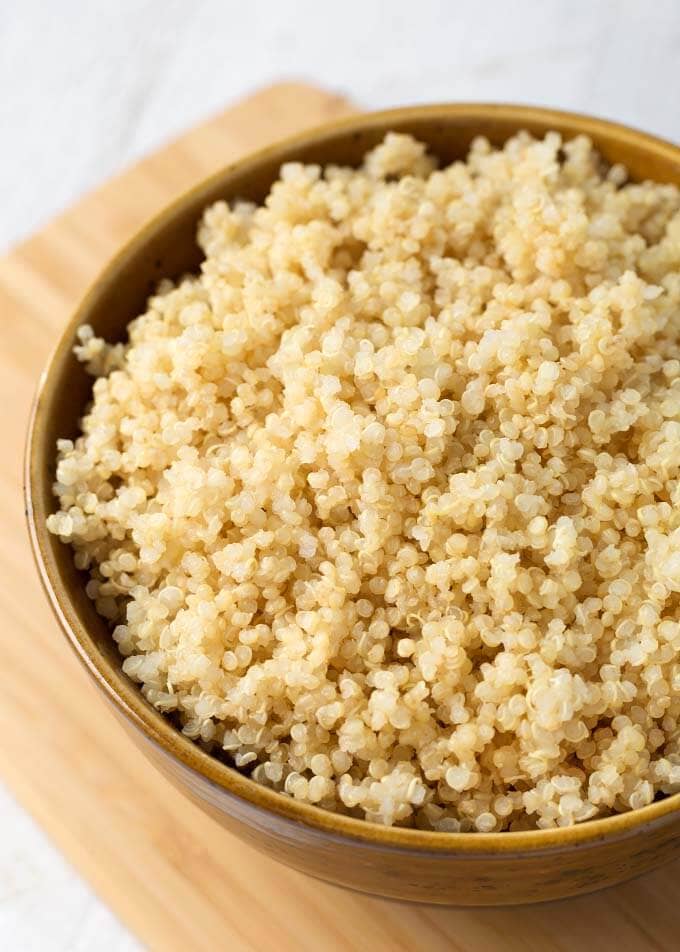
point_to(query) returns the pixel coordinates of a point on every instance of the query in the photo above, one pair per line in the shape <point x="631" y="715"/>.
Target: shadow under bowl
<point x="449" y="868"/>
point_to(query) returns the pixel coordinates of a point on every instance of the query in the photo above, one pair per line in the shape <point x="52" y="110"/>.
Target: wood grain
<point x="176" y="878"/>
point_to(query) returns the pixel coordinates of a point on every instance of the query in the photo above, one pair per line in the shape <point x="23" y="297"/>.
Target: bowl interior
<point x="166" y="247"/>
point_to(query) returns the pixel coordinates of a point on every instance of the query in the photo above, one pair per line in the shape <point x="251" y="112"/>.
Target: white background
<point x="87" y="86"/>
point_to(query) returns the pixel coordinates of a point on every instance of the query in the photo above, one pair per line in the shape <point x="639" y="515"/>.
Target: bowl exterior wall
<point x="455" y="878"/>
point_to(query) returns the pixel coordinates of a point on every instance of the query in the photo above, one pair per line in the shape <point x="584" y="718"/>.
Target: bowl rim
<point x="123" y="693"/>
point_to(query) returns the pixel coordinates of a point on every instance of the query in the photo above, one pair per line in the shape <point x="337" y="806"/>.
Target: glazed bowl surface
<point x="449" y="868"/>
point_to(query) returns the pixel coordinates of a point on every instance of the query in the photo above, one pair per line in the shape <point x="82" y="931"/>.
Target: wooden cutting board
<point x="171" y="874"/>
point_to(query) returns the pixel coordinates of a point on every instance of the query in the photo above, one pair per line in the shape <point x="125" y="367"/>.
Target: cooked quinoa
<point x="383" y="506"/>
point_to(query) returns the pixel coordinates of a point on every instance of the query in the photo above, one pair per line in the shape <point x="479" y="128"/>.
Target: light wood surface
<point x="176" y="878"/>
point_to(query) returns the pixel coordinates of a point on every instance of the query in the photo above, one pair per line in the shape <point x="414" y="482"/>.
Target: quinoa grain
<point x="384" y="504"/>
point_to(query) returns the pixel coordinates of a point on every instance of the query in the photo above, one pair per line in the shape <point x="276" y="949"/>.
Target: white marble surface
<point x="87" y="86"/>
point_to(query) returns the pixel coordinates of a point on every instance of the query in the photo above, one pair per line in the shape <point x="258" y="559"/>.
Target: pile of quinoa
<point x="384" y="504"/>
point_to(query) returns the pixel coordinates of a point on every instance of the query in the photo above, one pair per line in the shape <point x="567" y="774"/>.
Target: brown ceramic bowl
<point x="460" y="869"/>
